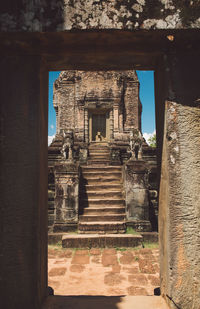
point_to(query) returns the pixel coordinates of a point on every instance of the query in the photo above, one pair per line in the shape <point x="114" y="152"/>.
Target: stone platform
<point x="101" y="241"/>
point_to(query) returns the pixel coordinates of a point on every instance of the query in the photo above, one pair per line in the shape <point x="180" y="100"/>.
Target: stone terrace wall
<point x="42" y="15"/>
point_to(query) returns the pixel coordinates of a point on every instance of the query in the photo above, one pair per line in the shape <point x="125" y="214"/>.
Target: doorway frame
<point x="105" y="112"/>
<point x="145" y="50"/>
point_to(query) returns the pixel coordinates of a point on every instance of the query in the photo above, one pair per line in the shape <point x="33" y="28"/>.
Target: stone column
<point x="136" y="188"/>
<point x="86" y="128"/>
<point x="66" y="196"/>
<point x="121" y="121"/>
<point x="116" y="120"/>
<point x="111" y="125"/>
<point x="116" y="117"/>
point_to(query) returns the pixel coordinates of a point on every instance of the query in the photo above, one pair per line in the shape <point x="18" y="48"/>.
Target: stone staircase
<point x="102" y="204"/>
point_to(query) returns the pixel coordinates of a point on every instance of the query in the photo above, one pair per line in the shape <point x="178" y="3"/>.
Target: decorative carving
<point x="70" y="181"/>
<point x="83" y="155"/>
<point x="66" y="194"/>
<point x="67" y="146"/>
<point x="136" y="141"/>
<point x="115" y="155"/>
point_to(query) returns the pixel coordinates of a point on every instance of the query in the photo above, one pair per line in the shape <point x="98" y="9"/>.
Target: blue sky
<point x="146" y="79"/>
<point x="52" y="114"/>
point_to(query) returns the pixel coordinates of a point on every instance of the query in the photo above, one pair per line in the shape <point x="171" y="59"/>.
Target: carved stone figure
<point x="136" y="141"/>
<point x="67" y="147"/>
<point x="98" y="137"/>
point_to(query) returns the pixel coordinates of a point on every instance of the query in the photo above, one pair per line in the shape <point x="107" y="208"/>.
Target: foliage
<point x="130" y="230"/>
<point x="152" y="141"/>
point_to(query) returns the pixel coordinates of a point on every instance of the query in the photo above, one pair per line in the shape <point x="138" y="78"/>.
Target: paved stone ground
<point x="108" y="272"/>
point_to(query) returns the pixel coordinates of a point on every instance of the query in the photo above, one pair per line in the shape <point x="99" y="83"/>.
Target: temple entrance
<point x="99" y="126"/>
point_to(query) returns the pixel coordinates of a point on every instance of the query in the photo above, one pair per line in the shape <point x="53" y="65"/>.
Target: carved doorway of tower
<point x="99" y="125"/>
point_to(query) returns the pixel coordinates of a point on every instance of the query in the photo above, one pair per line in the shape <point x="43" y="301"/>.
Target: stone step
<point x="106" y="217"/>
<point x="100" y="211"/>
<point x="99" y="180"/>
<point x="102" y="195"/>
<point x="98" y="145"/>
<point x="103" y="203"/>
<point x="51" y="187"/>
<point x="99" y="150"/>
<point x="99" y="153"/>
<point x="96" y="199"/>
<point x="108" y="201"/>
<point x="51" y="205"/>
<point x="101" y="241"/>
<point x="101" y="168"/>
<point x="104" y="155"/>
<point x="98" y="162"/>
<point x="101" y="174"/>
<point x="98" y="157"/>
<point x="101" y="187"/>
<point x="102" y="227"/>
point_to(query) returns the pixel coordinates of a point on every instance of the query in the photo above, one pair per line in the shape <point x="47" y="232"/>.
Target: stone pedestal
<point x="66" y="196"/>
<point x="136" y="189"/>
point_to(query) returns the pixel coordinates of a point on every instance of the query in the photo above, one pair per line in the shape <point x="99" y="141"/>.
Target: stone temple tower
<point x="89" y="102"/>
<point x="102" y="174"/>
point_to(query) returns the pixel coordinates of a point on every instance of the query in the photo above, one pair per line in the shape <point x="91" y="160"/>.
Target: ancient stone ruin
<point x="40" y="36"/>
<point x="102" y="173"/>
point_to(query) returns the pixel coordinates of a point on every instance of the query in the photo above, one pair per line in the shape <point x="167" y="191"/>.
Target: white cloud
<point x="52" y="126"/>
<point x="148" y="135"/>
<point x="50" y="139"/>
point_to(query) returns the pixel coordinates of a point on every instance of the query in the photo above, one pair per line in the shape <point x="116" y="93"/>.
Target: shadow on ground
<point x="105" y="302"/>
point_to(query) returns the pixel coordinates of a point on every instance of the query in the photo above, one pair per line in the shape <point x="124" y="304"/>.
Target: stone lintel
<point x="102" y="105"/>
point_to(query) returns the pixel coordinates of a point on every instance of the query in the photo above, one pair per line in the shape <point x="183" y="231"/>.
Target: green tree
<point x="152" y="140"/>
